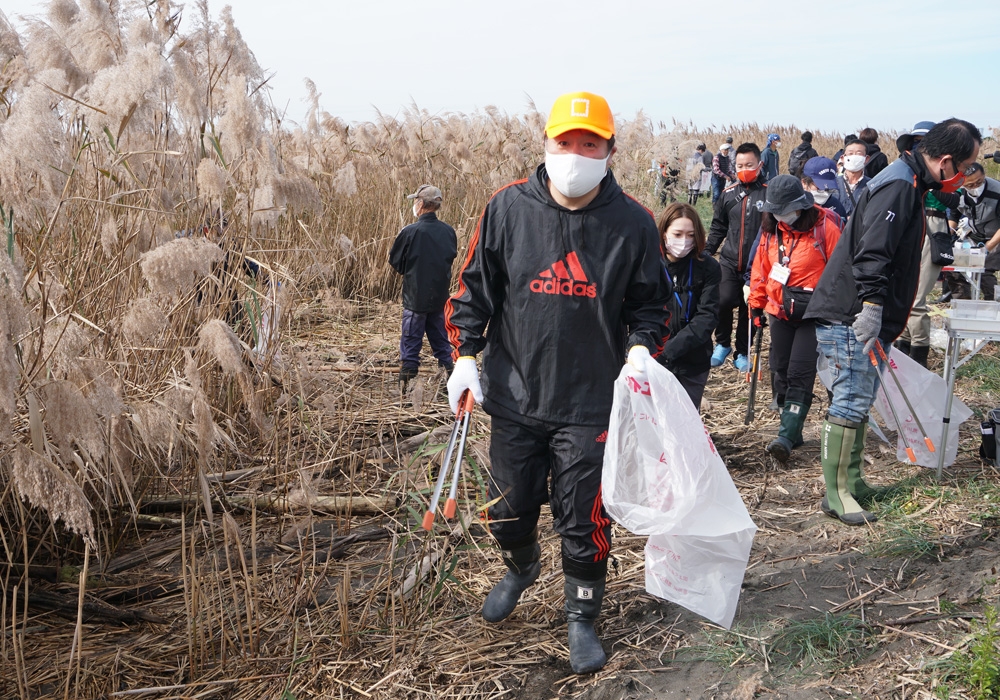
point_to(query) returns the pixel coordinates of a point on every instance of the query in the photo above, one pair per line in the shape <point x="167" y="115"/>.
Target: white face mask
<point x="573" y="175"/>
<point x="976" y="191"/>
<point x="854" y="163"/>
<point x="416" y="212"/>
<point x="788" y="219"/>
<point x="821" y="196"/>
<point x="679" y="247"/>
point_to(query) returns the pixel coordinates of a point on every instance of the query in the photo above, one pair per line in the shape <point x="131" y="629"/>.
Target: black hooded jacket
<point x="736" y="222"/>
<point x="877" y="160"/>
<point x="422" y="254"/>
<point x="554" y="298"/>
<point x="694" y="314"/>
<point x="877" y="258"/>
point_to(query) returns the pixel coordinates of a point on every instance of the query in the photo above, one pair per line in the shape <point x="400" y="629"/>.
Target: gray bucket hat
<point x="785" y="195"/>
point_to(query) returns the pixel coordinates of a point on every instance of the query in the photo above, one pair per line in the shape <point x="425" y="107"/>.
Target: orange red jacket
<point x="807" y="253"/>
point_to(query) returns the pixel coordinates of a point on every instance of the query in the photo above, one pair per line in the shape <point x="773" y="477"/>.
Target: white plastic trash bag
<point x="663" y="477"/>
<point x="927" y="393"/>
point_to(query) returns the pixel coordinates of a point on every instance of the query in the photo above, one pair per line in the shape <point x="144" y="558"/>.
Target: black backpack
<point x="797" y="159"/>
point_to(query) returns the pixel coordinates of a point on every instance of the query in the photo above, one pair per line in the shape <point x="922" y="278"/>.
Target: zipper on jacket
<point x="743" y="222"/>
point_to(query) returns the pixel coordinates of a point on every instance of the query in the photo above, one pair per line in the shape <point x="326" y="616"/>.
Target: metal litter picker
<point x="909" y="406"/>
<point x="459" y="432"/>
<point x="895" y="416"/>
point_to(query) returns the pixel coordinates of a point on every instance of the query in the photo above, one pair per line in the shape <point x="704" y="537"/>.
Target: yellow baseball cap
<point x="580" y="110"/>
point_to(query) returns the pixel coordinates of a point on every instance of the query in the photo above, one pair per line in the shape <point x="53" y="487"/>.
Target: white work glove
<point x="464" y="376"/>
<point x="638" y="356"/>
<point x="746" y="293"/>
<point x="867" y="325"/>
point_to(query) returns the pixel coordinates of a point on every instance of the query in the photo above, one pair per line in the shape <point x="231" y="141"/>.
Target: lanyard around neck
<point x="690" y="294"/>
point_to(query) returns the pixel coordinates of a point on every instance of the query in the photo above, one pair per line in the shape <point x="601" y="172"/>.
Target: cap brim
<point x="554" y="131"/>
<point x="825" y="183"/>
<point x="803" y="202"/>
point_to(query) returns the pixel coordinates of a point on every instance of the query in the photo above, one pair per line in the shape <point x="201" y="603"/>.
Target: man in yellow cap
<point x="564" y="273"/>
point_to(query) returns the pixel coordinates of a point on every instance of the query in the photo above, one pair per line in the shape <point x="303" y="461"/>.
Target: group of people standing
<point x="567" y="278"/>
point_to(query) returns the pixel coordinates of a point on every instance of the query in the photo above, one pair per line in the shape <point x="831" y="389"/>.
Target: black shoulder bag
<point x="794" y="300"/>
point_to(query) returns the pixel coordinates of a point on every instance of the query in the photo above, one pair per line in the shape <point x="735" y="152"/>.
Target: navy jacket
<point x="422" y="254"/>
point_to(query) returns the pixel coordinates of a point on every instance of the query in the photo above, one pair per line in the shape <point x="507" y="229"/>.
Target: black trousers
<point x="534" y="462"/>
<point x="730" y="300"/>
<point x="793" y="357"/>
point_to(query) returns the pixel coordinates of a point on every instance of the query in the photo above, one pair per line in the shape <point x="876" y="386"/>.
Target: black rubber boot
<point x="919" y="353"/>
<point x="406" y="374"/>
<point x="523" y="567"/>
<point x="903" y="346"/>
<point x="583" y="605"/>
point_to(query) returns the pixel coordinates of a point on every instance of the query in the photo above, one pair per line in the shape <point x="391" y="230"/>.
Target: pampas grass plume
<point x="211" y="180"/>
<point x="173" y="268"/>
<point x="47" y="486"/>
<point x="217" y="340"/>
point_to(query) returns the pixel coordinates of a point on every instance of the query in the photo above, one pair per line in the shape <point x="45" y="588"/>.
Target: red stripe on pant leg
<point x="603" y="548"/>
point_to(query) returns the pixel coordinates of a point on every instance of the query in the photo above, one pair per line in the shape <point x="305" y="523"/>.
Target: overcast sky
<point x="833" y="66"/>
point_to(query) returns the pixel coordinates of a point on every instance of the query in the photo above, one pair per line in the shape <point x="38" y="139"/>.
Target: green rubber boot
<point x="523" y="567"/>
<point x="793" y="417"/>
<point x="863" y="493"/>
<point x="836" y="456"/>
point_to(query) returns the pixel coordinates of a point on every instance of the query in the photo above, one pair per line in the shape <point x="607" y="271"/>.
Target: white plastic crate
<point x="969" y="315"/>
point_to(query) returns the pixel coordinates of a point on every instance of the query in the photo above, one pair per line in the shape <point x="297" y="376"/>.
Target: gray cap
<point x="785" y="195"/>
<point x="426" y="193"/>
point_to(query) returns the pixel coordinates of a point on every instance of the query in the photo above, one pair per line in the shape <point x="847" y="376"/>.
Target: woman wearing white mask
<point x="853" y="178"/>
<point x="694" y="308"/>
<point x="798" y="238"/>
<point x="819" y="178"/>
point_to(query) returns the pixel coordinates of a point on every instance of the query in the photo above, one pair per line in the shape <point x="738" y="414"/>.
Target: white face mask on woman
<point x="821" y="196"/>
<point x="788" y="219"/>
<point x="573" y="175"/>
<point x="854" y="163"/>
<point x="679" y="247"/>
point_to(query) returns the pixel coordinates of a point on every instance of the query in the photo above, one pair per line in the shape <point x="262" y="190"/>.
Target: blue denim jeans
<point x="855" y="378"/>
<point x="718" y="184"/>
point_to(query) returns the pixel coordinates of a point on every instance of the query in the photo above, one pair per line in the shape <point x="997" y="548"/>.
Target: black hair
<point x="807" y="219"/>
<point x="849" y="138"/>
<point x="749" y="147"/>
<point x="807" y="136"/>
<point x="856" y="142"/>
<point x="952" y="137"/>
<point x="700" y="147"/>
<point x="974" y="168"/>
